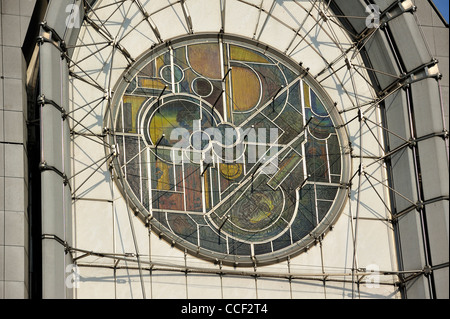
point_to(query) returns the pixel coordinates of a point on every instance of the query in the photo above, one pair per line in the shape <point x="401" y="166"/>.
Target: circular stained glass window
<point x="229" y="151"/>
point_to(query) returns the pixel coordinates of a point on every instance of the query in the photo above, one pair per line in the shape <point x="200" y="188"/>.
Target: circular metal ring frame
<point x="225" y="258"/>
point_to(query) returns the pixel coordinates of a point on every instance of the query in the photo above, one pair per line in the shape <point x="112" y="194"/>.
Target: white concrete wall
<point x="14" y="220"/>
<point x="101" y="222"/>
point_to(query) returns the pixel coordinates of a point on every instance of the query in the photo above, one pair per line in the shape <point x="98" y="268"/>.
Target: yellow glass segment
<point x="243" y="54"/>
<point x="162" y="172"/>
<point x="151" y="84"/>
<point x="231" y="171"/>
<point x="306" y="94"/>
<point x="162" y="124"/>
<point x="135" y="102"/>
<point x="246" y="88"/>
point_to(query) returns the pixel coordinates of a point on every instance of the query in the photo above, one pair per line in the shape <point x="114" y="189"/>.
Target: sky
<point x="443" y="7"/>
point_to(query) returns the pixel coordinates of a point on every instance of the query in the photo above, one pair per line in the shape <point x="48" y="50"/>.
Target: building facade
<point x="224" y="149"/>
